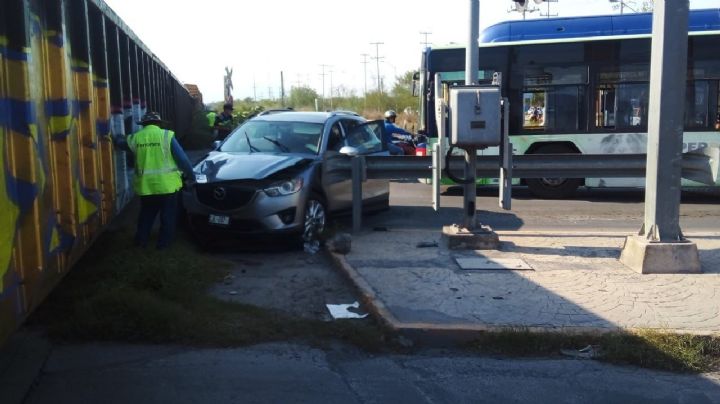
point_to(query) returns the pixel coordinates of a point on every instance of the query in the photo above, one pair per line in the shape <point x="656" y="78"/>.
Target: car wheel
<point x="315" y="217"/>
<point x="553" y="188"/>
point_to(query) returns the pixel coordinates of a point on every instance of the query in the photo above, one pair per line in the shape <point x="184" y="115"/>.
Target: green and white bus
<point x="581" y="85"/>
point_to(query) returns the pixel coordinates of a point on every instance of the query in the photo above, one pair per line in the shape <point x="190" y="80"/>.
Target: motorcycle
<point x="415" y="145"/>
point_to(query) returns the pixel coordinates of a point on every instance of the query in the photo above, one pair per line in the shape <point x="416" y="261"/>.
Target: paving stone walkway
<point x="577" y="284"/>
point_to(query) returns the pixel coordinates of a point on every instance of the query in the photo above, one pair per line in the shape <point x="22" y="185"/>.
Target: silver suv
<point x="266" y="177"/>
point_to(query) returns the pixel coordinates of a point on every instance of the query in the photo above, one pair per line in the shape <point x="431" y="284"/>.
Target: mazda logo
<point x="219" y="193"/>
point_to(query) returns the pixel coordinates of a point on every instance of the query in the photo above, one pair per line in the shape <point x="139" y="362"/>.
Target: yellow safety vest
<point x="211" y="118"/>
<point x="156" y="172"/>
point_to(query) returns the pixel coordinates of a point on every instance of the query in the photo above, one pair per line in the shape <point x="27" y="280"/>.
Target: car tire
<point x="314" y="218"/>
<point x="553" y="188"/>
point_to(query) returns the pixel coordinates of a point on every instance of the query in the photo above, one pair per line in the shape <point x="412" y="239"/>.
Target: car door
<point x="338" y="190"/>
<point x="367" y="137"/>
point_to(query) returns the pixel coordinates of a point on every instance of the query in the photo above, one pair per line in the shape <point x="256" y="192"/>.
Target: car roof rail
<point x="274" y="111"/>
<point x="341" y="112"/>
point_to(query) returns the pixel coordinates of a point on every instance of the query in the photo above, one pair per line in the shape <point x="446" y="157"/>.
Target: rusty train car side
<point x="71" y="74"/>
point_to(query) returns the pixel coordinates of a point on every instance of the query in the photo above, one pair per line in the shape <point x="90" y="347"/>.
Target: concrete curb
<point x="443" y="335"/>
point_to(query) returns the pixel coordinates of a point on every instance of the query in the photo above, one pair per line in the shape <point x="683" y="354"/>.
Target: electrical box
<point x="475" y="116"/>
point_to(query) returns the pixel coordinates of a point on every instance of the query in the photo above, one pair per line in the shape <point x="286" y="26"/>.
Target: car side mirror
<point x="349" y="150"/>
<point x="216" y="145"/>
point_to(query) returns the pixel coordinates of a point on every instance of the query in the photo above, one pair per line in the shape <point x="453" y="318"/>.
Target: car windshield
<point x="275" y="137"/>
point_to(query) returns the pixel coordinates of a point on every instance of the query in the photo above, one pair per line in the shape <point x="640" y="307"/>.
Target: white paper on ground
<point x="342" y="310"/>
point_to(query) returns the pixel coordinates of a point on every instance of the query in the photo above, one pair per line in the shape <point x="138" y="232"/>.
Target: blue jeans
<point x="150" y="206"/>
<point x="395" y="150"/>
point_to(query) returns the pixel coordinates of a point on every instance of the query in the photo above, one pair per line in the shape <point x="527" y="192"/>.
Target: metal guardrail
<point x="701" y="165"/>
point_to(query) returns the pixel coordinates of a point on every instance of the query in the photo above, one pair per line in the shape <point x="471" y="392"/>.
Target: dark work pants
<point x="150" y="206"/>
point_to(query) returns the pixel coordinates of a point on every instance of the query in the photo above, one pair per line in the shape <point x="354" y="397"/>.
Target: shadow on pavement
<point x="421" y="217"/>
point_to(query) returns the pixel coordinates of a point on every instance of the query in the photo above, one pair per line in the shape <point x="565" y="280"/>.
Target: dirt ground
<point x="287" y="279"/>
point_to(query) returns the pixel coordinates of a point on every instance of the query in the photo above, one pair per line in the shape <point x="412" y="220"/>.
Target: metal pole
<point x="282" y="89"/>
<point x="668" y="69"/>
<point x="471" y="78"/>
<point x="357" y="179"/>
<point x="331" y="90"/>
<point x="365" y="62"/>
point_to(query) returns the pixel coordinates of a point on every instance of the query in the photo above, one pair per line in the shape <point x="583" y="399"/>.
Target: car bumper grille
<point x="225" y="197"/>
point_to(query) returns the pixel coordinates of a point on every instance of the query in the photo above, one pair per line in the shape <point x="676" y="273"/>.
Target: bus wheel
<point x="553" y="188"/>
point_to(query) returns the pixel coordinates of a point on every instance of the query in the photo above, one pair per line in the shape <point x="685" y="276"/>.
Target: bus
<point x="581" y="85"/>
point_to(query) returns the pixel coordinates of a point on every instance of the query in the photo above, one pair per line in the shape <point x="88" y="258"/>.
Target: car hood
<point x="221" y="166"/>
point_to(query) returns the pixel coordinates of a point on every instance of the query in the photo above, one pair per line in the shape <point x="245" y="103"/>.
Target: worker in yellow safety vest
<point x="211" y="115"/>
<point x="159" y="160"/>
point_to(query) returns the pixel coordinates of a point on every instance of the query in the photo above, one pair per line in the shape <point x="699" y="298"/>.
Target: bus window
<point x="631" y="106"/>
<point x="621" y="98"/>
<point x="605" y="107"/>
<point x="697" y="105"/>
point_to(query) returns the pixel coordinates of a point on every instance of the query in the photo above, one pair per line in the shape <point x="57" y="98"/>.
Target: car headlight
<point x="282" y="188"/>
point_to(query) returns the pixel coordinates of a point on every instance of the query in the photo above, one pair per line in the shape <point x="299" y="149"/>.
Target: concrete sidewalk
<point x="576" y="285"/>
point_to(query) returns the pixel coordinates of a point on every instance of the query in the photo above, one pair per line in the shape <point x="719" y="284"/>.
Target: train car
<point x="71" y="74"/>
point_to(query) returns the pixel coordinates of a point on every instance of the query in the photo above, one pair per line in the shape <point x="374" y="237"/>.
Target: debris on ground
<point x="345" y="310"/>
<point x="405" y="342"/>
<point x="228" y="279"/>
<point x="589" y="352"/>
<point x="311" y="247"/>
<point x="427" y="244"/>
<point x="233" y="292"/>
<point x="380" y="228"/>
<point x="340" y="243"/>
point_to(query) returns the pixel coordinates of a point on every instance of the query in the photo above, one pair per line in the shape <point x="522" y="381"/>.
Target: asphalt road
<point x="287" y="373"/>
<point x="589" y="210"/>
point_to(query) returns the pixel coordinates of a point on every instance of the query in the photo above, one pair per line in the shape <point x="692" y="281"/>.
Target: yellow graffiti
<point x="9" y="214"/>
<point x="86" y="208"/>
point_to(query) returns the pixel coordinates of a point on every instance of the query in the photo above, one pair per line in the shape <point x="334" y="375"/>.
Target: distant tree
<point x="302" y="96"/>
<point x="402" y="92"/>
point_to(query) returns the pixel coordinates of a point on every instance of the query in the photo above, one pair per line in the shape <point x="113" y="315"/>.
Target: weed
<point x="645" y="348"/>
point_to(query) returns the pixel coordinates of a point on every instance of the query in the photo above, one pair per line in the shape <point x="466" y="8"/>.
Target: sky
<point x="259" y="39"/>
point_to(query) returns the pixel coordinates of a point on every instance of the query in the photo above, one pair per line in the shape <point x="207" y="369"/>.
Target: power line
<point x="425" y="42"/>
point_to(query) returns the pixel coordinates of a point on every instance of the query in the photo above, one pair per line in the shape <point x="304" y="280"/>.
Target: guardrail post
<point x="358" y="176"/>
<point x="436" y="175"/>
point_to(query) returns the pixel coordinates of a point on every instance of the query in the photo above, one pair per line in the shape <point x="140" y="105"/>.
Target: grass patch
<point x="647" y="348"/>
<point x="121" y="292"/>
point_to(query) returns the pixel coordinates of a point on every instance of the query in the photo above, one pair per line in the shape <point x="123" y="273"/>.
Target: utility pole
<point x="425" y="42"/>
<point x="331" y="90"/>
<point x="548" y="14"/>
<point x="323" y="84"/>
<point x="282" y="89"/>
<point x="365" y="62"/>
<point x="254" y="90"/>
<point x="377" y="61"/>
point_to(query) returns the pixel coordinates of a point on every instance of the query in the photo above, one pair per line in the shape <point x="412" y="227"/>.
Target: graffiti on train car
<point x="71" y="73"/>
<point x="49" y="179"/>
<point x="54" y="118"/>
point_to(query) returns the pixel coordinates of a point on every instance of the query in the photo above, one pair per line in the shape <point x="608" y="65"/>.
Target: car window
<point x="362" y="136"/>
<point x="275" y="137"/>
<point x="335" y="138"/>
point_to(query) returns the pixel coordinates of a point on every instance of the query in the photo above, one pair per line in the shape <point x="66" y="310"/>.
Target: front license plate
<point x="219" y="220"/>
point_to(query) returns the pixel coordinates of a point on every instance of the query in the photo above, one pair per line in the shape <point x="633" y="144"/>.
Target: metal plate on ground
<point x="492" y="264"/>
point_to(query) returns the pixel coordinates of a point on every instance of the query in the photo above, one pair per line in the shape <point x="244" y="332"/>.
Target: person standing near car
<point x="158" y="161"/>
<point x="393" y="131"/>
<point x="224" y="121"/>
